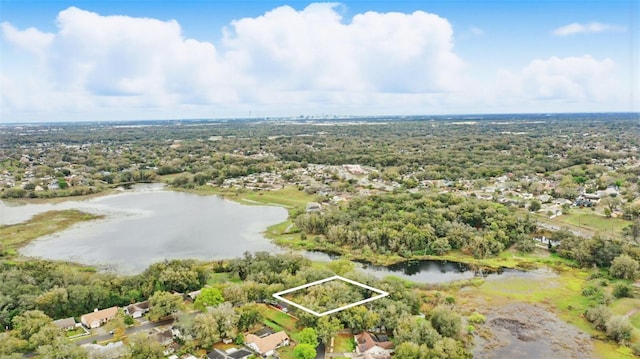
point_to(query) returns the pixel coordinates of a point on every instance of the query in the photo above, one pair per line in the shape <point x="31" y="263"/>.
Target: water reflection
<point x="145" y="226"/>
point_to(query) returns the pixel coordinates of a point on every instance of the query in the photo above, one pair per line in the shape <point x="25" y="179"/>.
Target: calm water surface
<point x="147" y="225"/>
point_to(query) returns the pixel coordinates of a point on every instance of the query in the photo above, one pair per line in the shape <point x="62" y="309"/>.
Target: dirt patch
<point x="526" y="331"/>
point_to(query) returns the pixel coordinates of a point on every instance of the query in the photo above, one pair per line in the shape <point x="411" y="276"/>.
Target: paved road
<point x="143" y="327"/>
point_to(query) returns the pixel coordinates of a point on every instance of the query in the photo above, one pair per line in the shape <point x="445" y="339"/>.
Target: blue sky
<point x="120" y="60"/>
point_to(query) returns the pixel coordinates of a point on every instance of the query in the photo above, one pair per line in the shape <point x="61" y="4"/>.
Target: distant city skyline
<point x="91" y="60"/>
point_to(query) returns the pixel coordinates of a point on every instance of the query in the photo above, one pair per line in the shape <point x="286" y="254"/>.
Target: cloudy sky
<point x="123" y="60"/>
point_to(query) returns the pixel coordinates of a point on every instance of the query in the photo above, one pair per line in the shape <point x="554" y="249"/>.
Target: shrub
<point x="471" y="329"/>
<point x="622" y="290"/>
<point x="625" y="267"/>
<point x="446" y="322"/>
<point x="619" y="328"/>
<point x="476" y="318"/>
<point x="450" y="300"/>
<point x="589" y="291"/>
<point x="598" y="316"/>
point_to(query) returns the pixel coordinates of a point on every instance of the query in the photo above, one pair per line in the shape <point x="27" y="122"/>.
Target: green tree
<point x="625" y="267"/>
<point x="622" y="290"/>
<point x="328" y="327"/>
<point x="341" y="266"/>
<point x="29" y="323"/>
<point x="249" y="316"/>
<point x="140" y="347"/>
<point x="446" y="322"/>
<point x="447" y="348"/>
<point x="304" y="351"/>
<point x="534" y="205"/>
<point x="205" y="330"/>
<point x="235" y="293"/>
<point x="9" y="344"/>
<point x="416" y="330"/>
<point x="633" y="230"/>
<point x="61" y="348"/>
<point x="215" y="324"/>
<point x="360" y="318"/>
<point x="208" y="297"/>
<point x="62" y="183"/>
<point x="308" y="336"/>
<point x="407" y="350"/>
<point x="162" y="304"/>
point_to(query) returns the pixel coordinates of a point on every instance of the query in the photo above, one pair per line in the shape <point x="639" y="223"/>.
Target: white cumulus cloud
<point x="284" y="62"/>
<point x="284" y="57"/>
<point x="563" y="81"/>
<point x="590" y="28"/>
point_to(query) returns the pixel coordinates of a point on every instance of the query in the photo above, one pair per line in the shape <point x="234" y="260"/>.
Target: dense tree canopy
<point x="407" y="223"/>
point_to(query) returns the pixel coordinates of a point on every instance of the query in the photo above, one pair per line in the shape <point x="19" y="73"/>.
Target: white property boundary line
<point x="381" y="294"/>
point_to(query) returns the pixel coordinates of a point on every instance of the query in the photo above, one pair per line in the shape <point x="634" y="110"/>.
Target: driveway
<point x="103" y="336"/>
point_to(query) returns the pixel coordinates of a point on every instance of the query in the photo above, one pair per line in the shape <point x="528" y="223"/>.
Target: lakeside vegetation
<point x="20" y="234"/>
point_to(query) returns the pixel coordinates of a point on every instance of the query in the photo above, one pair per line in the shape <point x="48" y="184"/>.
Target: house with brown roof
<point x="373" y="346"/>
<point x="137" y="310"/>
<point x="98" y="317"/>
<point x="267" y="345"/>
<point x="65" y="324"/>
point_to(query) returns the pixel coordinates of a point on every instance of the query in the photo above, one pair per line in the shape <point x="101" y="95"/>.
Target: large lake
<point x="147" y="224"/>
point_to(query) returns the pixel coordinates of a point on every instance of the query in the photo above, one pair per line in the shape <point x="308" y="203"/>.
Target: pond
<point x="426" y="271"/>
<point x="147" y="225"/>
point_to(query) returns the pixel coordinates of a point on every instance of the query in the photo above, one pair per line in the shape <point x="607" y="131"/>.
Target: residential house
<point x="373" y="346"/>
<point x="232" y="353"/>
<point x="313" y="207"/>
<point x="65" y="324"/>
<point x="268" y="344"/>
<point x="165" y="338"/>
<point x="137" y="310"/>
<point x="98" y="317"/>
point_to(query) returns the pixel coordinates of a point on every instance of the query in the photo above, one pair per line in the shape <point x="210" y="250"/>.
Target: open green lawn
<point x="218" y="278"/>
<point x="75" y="331"/>
<point x="289" y="196"/>
<point x="273" y="325"/>
<point x="286" y="352"/>
<point x="281" y="319"/>
<point x="624" y="306"/>
<point x="587" y="218"/>
<point x="635" y="320"/>
<point x="344" y="343"/>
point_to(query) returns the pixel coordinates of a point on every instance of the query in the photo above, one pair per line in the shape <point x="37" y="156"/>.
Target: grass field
<point x="344" y="343"/>
<point x="219" y="278"/>
<point x="597" y="222"/>
<point x="281" y="319"/>
<point x="288" y="197"/>
<point x="17" y="235"/>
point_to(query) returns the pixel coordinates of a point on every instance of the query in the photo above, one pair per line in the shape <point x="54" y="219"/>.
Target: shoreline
<point x="280" y="235"/>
